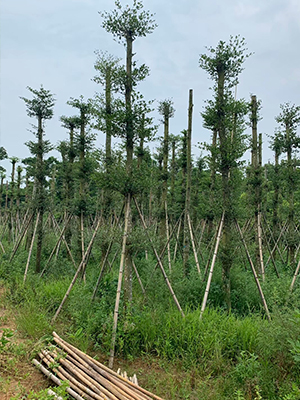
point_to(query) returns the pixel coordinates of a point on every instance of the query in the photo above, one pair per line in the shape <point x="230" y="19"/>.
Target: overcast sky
<point x="53" y="42"/>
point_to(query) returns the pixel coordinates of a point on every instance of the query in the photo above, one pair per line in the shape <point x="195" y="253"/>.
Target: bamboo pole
<point x="165" y="246"/>
<point x="31" y="247"/>
<point x="261" y="258"/>
<point x="104" y="370"/>
<point x="76" y="274"/>
<point x="82" y="246"/>
<point x="74" y="383"/>
<point x="254" y="272"/>
<point x="168" y="235"/>
<point x="212" y="266"/>
<point x="193" y="243"/>
<point x="55" y="379"/>
<point x="276" y="244"/>
<point x="295" y="276"/>
<point x="82" y="374"/>
<point x="56" y="245"/>
<point x="159" y="260"/>
<point x="139" y="278"/>
<point x="64" y="240"/>
<point x="177" y="239"/>
<point x="19" y="240"/>
<point x="269" y="250"/>
<point x="116" y="223"/>
<point x="118" y="295"/>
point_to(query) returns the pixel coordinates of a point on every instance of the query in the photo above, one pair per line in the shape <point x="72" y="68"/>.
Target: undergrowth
<point x="238" y="356"/>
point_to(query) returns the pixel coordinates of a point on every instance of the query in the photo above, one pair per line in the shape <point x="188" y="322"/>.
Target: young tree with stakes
<point x="40" y="107"/>
<point x="126" y="24"/>
<point x="224" y="64"/>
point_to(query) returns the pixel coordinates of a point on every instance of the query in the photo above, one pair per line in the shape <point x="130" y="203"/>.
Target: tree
<point x="126" y="24"/>
<point x="110" y="77"/>
<point x="166" y="110"/>
<point x="83" y="143"/>
<point x="224" y="64"/>
<point x="288" y="141"/>
<point x="40" y="107"/>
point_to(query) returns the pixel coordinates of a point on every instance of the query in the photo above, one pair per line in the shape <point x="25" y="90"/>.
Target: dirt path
<point x="17" y="375"/>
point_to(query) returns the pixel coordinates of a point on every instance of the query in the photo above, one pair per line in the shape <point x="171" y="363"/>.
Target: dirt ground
<point x="17" y="374"/>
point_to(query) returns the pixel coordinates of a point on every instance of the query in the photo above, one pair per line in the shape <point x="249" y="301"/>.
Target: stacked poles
<point x="88" y="378"/>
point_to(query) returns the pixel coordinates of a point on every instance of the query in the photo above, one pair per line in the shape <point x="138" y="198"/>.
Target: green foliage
<point x="227" y="58"/>
<point x="128" y="22"/>
<point x="5" y="338"/>
<point x="41" y="106"/>
<point x="47" y="394"/>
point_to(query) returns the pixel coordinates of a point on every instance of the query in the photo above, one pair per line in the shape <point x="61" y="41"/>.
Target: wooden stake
<point x="159" y="260"/>
<point x="212" y="266"/>
<point x="193" y="244"/>
<point x="254" y="273"/>
<point x="76" y="274"/>
<point x="121" y="270"/>
<point x="31" y="247"/>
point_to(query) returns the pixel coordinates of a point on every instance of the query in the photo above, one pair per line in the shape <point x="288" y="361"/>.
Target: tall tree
<point x="83" y="142"/>
<point x="126" y="24"/>
<point x="289" y="120"/>
<point x="40" y="107"/>
<point x="166" y="110"/>
<point x="224" y="64"/>
<point x="110" y="77"/>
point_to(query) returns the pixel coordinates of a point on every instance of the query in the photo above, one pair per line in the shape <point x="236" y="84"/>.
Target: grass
<point x="237" y="356"/>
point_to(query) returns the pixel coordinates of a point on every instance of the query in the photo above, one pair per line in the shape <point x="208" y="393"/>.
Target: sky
<point x="53" y="43"/>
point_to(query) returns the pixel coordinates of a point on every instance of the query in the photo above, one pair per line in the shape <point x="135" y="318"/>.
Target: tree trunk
<point x="40" y="196"/>
<point x="186" y="242"/>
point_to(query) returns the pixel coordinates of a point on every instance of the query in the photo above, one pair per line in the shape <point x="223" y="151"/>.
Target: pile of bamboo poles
<point x="87" y="377"/>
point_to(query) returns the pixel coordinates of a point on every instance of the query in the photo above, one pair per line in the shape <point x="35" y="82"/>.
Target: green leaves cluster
<point x="128" y="22"/>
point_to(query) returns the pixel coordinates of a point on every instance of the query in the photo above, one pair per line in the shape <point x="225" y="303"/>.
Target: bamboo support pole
<point x="116" y="223"/>
<point x="31" y="247"/>
<point x="2" y="248"/>
<point x="295" y="276"/>
<point x="254" y="272"/>
<point x="212" y="266"/>
<point x="168" y="236"/>
<point x="193" y="244"/>
<point x="19" y="240"/>
<point x="261" y="258"/>
<point x="165" y="246"/>
<point x="77" y="273"/>
<point x="120" y="278"/>
<point x="276" y="245"/>
<point x="56" y="245"/>
<point x="82" y="246"/>
<point x="177" y="239"/>
<point x="269" y="250"/>
<point x="200" y="239"/>
<point x="64" y="240"/>
<point x="139" y="278"/>
<point x="159" y="260"/>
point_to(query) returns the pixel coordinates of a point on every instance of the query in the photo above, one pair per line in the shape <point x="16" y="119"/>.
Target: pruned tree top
<point x="166" y="109"/>
<point x="289" y="116"/>
<point x="72" y="122"/>
<point x="226" y="58"/>
<point x="41" y="106"/>
<point x="128" y="22"/>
